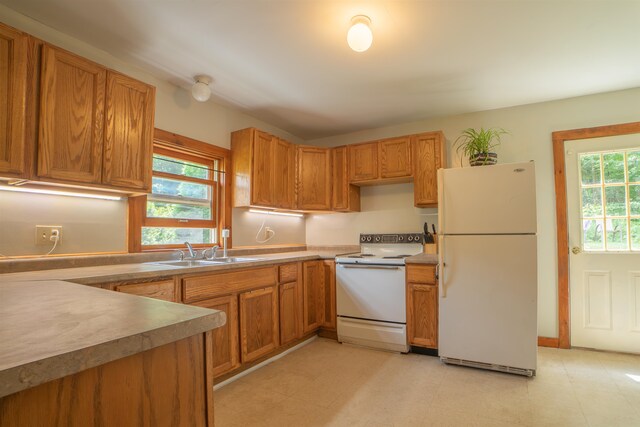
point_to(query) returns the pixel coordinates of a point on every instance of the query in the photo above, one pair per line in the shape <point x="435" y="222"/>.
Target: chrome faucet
<point x="192" y="253"/>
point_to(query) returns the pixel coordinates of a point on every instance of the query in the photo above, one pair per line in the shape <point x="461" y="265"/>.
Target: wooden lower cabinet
<point x="422" y="306"/>
<point x="259" y="330"/>
<point x="289" y="314"/>
<point x="224" y="340"/>
<point x="312" y="295"/>
<point x="164" y="386"/>
<point x="166" y="290"/>
<point x="329" y="294"/>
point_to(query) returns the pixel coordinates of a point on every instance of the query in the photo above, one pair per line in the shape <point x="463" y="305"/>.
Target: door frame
<point x="558" y="140"/>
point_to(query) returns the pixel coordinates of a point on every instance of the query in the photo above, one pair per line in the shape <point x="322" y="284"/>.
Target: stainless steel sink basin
<point x="232" y="259"/>
<point x="204" y="262"/>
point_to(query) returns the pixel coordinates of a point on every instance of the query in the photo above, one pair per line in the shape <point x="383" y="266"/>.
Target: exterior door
<point x="603" y="201"/>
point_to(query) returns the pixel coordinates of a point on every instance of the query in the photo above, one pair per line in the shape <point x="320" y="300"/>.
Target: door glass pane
<point x="176" y="236"/>
<point x="591" y="202"/>
<point x="613" y="167"/>
<point x="617" y="234"/>
<point x="592" y="234"/>
<point x="633" y="166"/>
<point x="157" y="209"/>
<point x="635" y="234"/>
<point x="590" y="169"/>
<point x="616" y="201"/>
<point x="176" y="188"/>
<point x="634" y="199"/>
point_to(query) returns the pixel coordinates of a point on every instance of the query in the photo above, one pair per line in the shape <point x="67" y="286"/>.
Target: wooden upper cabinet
<point x="314" y="178"/>
<point x="395" y="157"/>
<point x="345" y="197"/>
<point x="259" y="330"/>
<point x="363" y="162"/>
<point x="70" y="137"/>
<point x="283" y="174"/>
<point x="13" y="93"/>
<point x="261" y="176"/>
<point x="128" y="145"/>
<point x="428" y="157"/>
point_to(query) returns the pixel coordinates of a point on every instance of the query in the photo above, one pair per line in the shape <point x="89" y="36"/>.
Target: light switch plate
<point x="43" y="234"/>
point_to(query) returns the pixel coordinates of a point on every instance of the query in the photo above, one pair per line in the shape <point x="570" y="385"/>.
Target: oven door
<point x="371" y="292"/>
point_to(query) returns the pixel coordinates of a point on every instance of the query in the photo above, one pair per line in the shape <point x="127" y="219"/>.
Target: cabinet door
<point x="395" y="157"/>
<point x="261" y="178"/>
<point x="345" y="197"/>
<point x="363" y="162"/>
<point x="289" y="324"/>
<point x="314" y="178"/>
<point x="13" y="92"/>
<point x="329" y="294"/>
<point x="428" y="157"/>
<point x="313" y="301"/>
<point x="422" y="315"/>
<point x="283" y="171"/>
<point x="259" y="332"/>
<point x="128" y="148"/>
<point x="162" y="289"/>
<point x="70" y="134"/>
<point x="224" y="339"/>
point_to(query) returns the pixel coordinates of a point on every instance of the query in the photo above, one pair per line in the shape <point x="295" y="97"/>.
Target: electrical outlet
<point x="43" y="234"/>
<point x="268" y="231"/>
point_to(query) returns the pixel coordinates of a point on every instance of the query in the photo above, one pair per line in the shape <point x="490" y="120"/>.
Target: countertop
<point x="422" y="259"/>
<point x="51" y="329"/>
<point x="140" y="271"/>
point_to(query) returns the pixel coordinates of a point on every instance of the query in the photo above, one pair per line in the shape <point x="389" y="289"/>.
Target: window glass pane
<point x="590" y="169"/>
<point x="157" y="209"/>
<point x="591" y="202"/>
<point x="635" y="234"/>
<point x="179" y="167"/>
<point x="617" y="234"/>
<point x="592" y="234"/>
<point x="175" y="236"/>
<point x="613" y="167"/>
<point x="616" y="201"/>
<point x="172" y="187"/>
<point x="633" y="166"/>
<point x="634" y="199"/>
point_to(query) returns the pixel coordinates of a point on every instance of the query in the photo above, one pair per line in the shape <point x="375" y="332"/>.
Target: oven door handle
<point x="371" y="267"/>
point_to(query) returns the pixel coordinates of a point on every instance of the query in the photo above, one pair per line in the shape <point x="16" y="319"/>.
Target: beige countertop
<point x="51" y="329"/>
<point x="140" y="271"/>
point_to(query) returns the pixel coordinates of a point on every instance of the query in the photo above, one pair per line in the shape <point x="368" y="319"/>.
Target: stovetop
<point x="388" y="249"/>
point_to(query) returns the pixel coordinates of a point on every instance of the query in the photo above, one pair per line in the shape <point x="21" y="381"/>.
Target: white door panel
<point x="488" y="299"/>
<point x="604" y="285"/>
<point x="502" y="199"/>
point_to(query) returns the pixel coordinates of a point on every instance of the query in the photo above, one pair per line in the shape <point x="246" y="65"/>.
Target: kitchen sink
<point x="204" y="262"/>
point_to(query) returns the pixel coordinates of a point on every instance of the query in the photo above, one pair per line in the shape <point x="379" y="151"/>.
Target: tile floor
<point x="330" y="384"/>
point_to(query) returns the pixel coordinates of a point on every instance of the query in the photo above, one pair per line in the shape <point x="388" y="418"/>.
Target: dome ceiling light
<point x="359" y="35"/>
<point x="200" y="89"/>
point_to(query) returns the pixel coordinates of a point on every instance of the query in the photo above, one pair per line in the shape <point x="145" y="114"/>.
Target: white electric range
<point x="370" y="291"/>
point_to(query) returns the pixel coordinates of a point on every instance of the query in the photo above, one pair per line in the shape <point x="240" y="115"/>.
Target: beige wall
<point x="176" y="111"/>
<point x="530" y="139"/>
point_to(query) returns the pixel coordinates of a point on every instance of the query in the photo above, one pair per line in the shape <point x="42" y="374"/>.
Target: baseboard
<point x="263" y="363"/>
<point x="548" y="342"/>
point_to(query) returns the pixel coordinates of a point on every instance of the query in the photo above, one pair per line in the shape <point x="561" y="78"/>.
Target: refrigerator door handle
<point x="440" y="269"/>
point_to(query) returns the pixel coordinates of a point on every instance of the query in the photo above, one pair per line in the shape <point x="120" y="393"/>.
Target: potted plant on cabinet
<point x="478" y="145"/>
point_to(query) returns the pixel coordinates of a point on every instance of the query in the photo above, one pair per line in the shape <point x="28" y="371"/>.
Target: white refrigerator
<point x="488" y="285"/>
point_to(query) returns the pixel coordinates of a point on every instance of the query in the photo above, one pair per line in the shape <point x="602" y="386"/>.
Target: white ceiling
<point x="287" y="62"/>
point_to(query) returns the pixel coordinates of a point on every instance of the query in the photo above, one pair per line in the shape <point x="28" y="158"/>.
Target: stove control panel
<point x="392" y="238"/>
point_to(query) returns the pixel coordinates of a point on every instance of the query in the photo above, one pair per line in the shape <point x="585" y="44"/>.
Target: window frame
<point x="602" y="186"/>
<point x="170" y="144"/>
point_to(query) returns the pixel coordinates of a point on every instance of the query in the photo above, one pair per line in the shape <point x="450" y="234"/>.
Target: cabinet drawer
<point x="202" y="287"/>
<point x="421" y="274"/>
<point x="288" y="273"/>
<point x="163" y="289"/>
